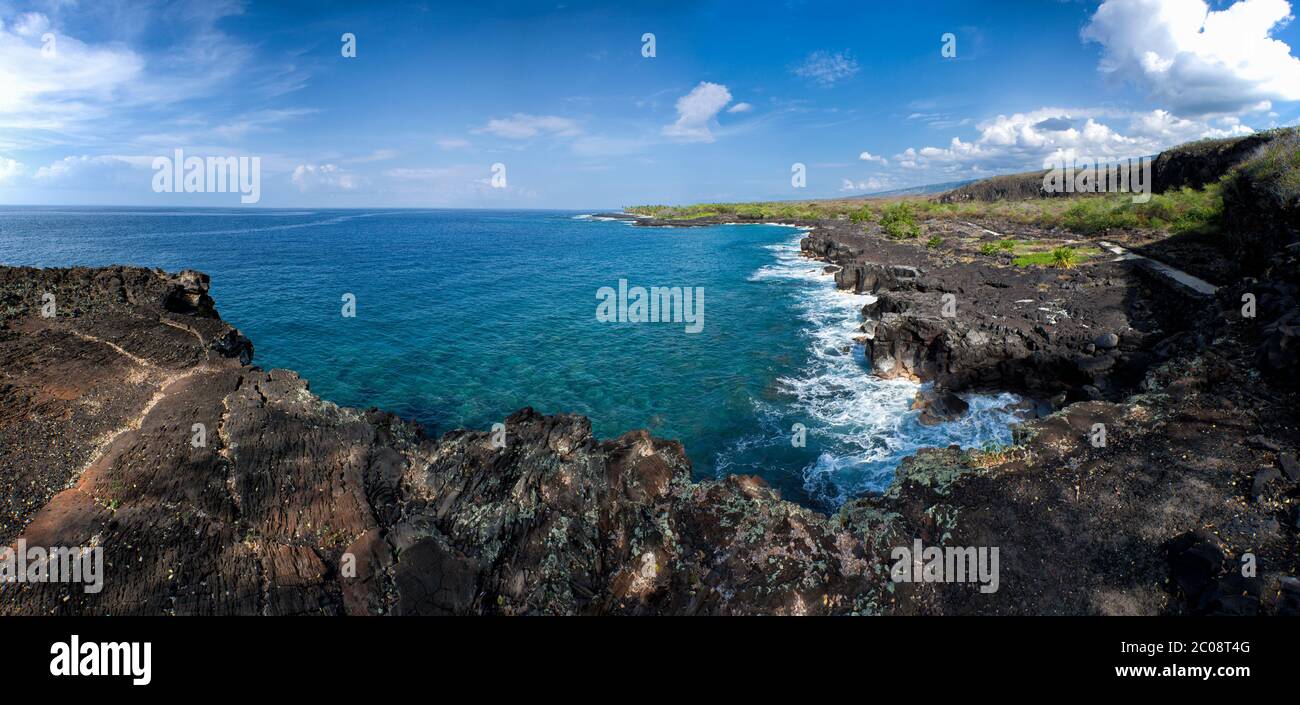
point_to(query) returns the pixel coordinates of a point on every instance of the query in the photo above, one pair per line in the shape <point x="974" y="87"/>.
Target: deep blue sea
<point x="463" y="317"/>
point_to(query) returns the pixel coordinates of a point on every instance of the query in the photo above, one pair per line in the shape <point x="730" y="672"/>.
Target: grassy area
<point x="1182" y="211"/>
<point x="1277" y="168"/>
<point x="1040" y="253"/>
<point x="1059" y="257"/>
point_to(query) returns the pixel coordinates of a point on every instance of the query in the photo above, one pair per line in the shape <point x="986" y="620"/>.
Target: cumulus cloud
<point x="9" y="168"/>
<point x="740" y="108"/>
<point x="309" y="177"/>
<point x="696" y="111"/>
<point x="826" y="68"/>
<point x="1033" y="139"/>
<point x="522" y="126"/>
<point x="1196" y="61"/>
<point x="869" y="157"/>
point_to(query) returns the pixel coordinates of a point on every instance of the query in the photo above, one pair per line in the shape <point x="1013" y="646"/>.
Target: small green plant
<point x="993" y="248"/>
<point x="1064" y="258"/>
<point x="898" y="220"/>
<point x="933" y="243"/>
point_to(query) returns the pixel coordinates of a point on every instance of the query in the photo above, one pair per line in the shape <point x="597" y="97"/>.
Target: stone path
<point x="1197" y="285"/>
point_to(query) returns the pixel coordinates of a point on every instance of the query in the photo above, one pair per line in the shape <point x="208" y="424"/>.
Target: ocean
<point x="462" y="317"/>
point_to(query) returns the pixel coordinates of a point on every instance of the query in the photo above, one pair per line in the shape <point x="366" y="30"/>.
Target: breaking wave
<point x="859" y="426"/>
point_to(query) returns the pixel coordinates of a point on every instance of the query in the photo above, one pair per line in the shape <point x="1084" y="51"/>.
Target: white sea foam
<point x="862" y="425"/>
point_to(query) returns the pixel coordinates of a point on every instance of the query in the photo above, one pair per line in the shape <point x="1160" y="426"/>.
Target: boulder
<point x="938" y="406"/>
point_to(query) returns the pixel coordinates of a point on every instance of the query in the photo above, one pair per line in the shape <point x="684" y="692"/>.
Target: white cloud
<point x="869" y="157"/>
<point x="1196" y="61"/>
<point x="61" y="89"/>
<point x="71" y="81"/>
<point x="9" y="168"/>
<point x="740" y="108"/>
<point x="871" y="184"/>
<point x="826" y="68"/>
<point x="1028" y="140"/>
<point x="325" y="176"/>
<point x="523" y="126"/>
<point x="87" y="167"/>
<point x="696" y="110"/>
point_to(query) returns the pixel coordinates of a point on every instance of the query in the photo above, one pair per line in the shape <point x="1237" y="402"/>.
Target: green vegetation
<point x="1064" y="258"/>
<point x="993" y="248"/>
<point x="1183" y="211"/>
<point x="1276" y="168"/>
<point x="898" y="220"/>
<point x="865" y="215"/>
<point x="1034" y="259"/>
<point x="770" y="210"/>
<point x="1060" y="257"/>
<point x="933" y="243"/>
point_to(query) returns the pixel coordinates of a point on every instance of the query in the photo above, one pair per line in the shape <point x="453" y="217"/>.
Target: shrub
<point x="863" y="215"/>
<point x="934" y="242"/>
<point x="898" y="220"/>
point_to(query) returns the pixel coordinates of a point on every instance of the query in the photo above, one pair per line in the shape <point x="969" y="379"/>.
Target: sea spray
<point x="862" y="426"/>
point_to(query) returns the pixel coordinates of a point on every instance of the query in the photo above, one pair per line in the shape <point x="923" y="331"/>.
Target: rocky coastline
<point x="297" y="506"/>
<point x="133" y="419"/>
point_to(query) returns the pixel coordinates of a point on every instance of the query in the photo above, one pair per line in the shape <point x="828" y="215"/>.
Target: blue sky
<point x="562" y="96"/>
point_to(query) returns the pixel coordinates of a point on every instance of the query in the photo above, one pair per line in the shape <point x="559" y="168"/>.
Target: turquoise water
<point x="463" y="317"/>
